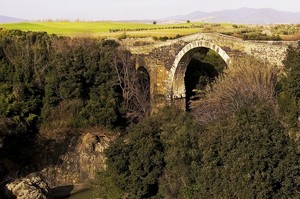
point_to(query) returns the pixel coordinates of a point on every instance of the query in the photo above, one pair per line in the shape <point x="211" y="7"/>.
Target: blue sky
<point x="128" y="9"/>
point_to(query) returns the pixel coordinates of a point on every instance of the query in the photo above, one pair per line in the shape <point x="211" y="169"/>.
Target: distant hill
<point x="241" y="16"/>
<point x="5" y="19"/>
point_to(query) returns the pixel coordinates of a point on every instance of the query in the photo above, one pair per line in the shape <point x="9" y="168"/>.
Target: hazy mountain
<point x="5" y="19"/>
<point x="242" y="15"/>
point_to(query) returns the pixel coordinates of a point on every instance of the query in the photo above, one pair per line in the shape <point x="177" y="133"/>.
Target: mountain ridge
<point x="6" y="19"/>
<point x="241" y="16"/>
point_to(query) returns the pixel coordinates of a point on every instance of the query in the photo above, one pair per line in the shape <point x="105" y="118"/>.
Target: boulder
<point x="30" y="187"/>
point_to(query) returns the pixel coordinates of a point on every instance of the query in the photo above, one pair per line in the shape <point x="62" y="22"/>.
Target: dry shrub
<point x="207" y="28"/>
<point x="294" y="37"/>
<point x="247" y="79"/>
<point x="60" y="119"/>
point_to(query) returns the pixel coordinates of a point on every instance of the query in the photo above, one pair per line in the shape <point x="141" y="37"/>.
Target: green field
<point x="106" y="29"/>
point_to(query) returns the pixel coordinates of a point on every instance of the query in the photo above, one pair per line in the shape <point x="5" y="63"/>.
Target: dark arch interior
<point x="143" y="79"/>
<point x="204" y="67"/>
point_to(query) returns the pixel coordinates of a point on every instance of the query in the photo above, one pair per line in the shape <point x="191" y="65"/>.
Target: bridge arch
<point x="176" y="84"/>
<point x="143" y="76"/>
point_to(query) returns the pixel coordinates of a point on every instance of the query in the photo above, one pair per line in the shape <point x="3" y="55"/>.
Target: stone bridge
<point x="166" y="62"/>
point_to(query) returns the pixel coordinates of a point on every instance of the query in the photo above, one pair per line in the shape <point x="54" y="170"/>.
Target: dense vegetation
<point x="50" y="86"/>
<point x="289" y="88"/>
<point x="246" y="155"/>
<point x="236" y="144"/>
<point x="241" y="141"/>
<point x="57" y="82"/>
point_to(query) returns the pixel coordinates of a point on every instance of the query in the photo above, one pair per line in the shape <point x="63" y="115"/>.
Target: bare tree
<point x="133" y="84"/>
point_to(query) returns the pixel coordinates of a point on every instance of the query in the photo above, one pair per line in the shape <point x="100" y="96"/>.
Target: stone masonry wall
<point x="162" y="59"/>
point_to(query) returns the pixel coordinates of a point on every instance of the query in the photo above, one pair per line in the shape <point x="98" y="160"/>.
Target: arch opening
<point x="143" y="81"/>
<point x="195" y="67"/>
<point x="143" y="84"/>
<point x="202" y="70"/>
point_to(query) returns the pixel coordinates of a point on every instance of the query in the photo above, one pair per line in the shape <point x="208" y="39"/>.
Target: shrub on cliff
<point x="23" y="62"/>
<point x="289" y="96"/>
<point x="134" y="165"/>
<point x="82" y="72"/>
<point x="180" y="137"/>
<point x="155" y="158"/>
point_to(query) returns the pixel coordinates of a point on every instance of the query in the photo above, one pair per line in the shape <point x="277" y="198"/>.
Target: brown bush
<point x="247" y="79"/>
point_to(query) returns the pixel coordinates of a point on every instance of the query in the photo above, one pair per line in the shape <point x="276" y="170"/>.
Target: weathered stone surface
<point x="31" y="187"/>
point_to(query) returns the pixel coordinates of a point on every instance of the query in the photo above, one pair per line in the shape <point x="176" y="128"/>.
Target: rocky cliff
<point x="80" y="163"/>
<point x="73" y="160"/>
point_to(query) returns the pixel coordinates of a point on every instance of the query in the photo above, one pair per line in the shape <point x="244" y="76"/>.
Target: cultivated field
<point x="103" y="29"/>
<point x="157" y="31"/>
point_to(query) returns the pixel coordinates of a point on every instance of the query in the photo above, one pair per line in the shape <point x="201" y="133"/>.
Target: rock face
<point x="79" y="164"/>
<point x="31" y="187"/>
<point x="68" y="164"/>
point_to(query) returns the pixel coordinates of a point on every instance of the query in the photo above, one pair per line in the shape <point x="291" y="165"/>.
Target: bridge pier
<point x="159" y="102"/>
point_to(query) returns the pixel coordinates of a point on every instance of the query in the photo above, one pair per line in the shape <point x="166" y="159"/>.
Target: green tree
<point x="82" y="74"/>
<point x="134" y="164"/>
<point x="289" y="97"/>
<point x="23" y="59"/>
<point x="154" y="160"/>
<point x="114" y="182"/>
<point x="180" y="135"/>
<point x="248" y="155"/>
